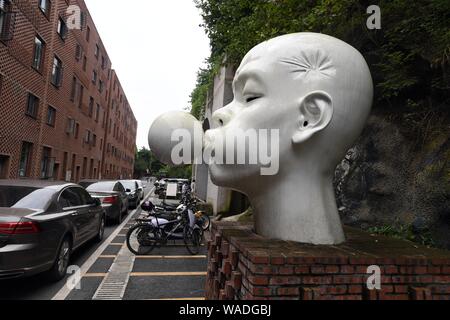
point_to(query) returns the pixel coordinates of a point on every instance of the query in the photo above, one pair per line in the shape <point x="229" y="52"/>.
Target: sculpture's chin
<point x="220" y="176"/>
<point x="233" y="176"/>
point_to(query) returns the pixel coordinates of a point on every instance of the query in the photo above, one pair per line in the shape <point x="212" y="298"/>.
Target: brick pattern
<point x="244" y="266"/>
<point x="18" y="78"/>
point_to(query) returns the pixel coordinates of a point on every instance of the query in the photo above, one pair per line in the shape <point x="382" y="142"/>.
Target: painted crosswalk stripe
<point x="94" y="275"/>
<point x="151" y="274"/>
<point x="167" y="274"/>
<point x="179" y="299"/>
<point x="171" y="257"/>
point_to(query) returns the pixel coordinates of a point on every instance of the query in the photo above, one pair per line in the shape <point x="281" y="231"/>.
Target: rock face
<point x="389" y="178"/>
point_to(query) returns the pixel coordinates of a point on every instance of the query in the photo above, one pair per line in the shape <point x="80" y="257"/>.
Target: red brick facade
<point x="73" y="125"/>
<point x="244" y="266"/>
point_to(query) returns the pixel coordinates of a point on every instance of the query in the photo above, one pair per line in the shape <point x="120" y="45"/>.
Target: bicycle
<point x="152" y="232"/>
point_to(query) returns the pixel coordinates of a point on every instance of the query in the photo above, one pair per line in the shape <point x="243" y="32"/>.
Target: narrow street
<point x="167" y="273"/>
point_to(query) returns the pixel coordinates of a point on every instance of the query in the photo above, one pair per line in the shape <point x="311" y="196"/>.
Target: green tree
<point x="145" y="160"/>
<point x="409" y="57"/>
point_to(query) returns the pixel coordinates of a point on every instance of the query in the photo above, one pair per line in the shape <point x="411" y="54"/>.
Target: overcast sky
<point x="156" y="47"/>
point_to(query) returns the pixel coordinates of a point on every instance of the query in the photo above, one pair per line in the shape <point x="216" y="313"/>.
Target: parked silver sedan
<point x="114" y="198"/>
<point x="41" y="223"/>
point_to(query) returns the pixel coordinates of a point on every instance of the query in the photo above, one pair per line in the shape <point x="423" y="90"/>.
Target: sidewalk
<point x="168" y="273"/>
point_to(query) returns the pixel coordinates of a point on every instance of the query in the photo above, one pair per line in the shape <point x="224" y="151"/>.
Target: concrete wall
<point x="220" y="95"/>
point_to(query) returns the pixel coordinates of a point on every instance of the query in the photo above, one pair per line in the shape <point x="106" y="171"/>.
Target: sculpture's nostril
<point x="221" y="122"/>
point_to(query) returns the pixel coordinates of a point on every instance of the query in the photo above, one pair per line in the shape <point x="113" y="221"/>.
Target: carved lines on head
<point x="311" y="62"/>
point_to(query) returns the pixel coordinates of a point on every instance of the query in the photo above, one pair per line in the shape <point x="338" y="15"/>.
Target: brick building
<point x="63" y="113"/>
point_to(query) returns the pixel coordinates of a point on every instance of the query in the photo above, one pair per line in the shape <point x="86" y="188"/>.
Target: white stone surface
<point x="317" y="91"/>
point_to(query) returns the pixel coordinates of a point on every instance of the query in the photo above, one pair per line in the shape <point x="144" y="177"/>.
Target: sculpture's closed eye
<point x="250" y="99"/>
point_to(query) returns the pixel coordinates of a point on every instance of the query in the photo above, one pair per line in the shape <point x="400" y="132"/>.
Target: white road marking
<point x="65" y="290"/>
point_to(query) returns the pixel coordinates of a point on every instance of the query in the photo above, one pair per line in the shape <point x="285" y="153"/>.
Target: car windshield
<point x="129" y="185"/>
<point x="25" y="197"/>
<point x="102" y="187"/>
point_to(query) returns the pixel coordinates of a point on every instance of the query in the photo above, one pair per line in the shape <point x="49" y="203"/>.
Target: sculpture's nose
<point x="222" y="117"/>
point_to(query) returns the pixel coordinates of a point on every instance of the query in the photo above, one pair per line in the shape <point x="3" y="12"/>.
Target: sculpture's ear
<point x="316" y="112"/>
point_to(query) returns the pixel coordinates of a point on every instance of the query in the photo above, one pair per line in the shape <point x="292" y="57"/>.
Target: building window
<point x="81" y="94"/>
<point x="45" y="6"/>
<point x="84" y="63"/>
<point x="57" y="72"/>
<point x="25" y="159"/>
<point x="94" y="77"/>
<point x="91" y="107"/>
<point x="103" y="63"/>
<point x="97" y="51"/>
<point x="83" y="20"/>
<point x="62" y="28"/>
<point x="70" y="126"/>
<point x="88" y="34"/>
<point x="77" y="130"/>
<point x="78" y="52"/>
<point x="51" y="116"/>
<point x="32" y="106"/>
<point x="4" y="166"/>
<point x="101" y="86"/>
<point x="87" y="137"/>
<point x="97" y="113"/>
<point x="73" y="92"/>
<point x="39" y="52"/>
<point x="5" y="20"/>
<point x="46" y="167"/>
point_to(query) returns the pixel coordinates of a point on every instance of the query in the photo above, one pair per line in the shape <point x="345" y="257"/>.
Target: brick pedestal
<point x="245" y="266"/>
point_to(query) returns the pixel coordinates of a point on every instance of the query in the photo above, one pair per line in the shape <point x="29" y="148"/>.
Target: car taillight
<point x="23" y="227"/>
<point x="110" y="200"/>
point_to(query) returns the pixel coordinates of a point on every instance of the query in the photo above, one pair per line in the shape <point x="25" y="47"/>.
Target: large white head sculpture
<point x="317" y="91"/>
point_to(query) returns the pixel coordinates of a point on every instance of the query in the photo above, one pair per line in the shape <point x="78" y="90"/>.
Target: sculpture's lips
<point x="208" y="141"/>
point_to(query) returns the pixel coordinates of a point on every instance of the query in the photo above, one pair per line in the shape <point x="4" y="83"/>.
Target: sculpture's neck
<point x="299" y="207"/>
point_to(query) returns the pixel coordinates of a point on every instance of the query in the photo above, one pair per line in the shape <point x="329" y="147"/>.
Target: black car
<point x="114" y="198"/>
<point x="135" y="193"/>
<point x="42" y="223"/>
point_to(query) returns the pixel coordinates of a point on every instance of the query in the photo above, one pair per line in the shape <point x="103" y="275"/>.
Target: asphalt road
<point x="38" y="288"/>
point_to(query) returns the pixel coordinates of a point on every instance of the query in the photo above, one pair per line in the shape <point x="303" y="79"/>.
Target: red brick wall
<point x="244" y="266"/>
<point x="120" y="117"/>
<point x="17" y="78"/>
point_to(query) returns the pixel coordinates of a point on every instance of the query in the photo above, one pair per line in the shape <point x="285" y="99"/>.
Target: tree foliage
<point x="199" y="95"/>
<point x="147" y="164"/>
<point x="409" y="57"/>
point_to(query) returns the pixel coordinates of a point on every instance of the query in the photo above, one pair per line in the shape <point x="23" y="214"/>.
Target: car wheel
<point x="101" y="230"/>
<point x="59" y="269"/>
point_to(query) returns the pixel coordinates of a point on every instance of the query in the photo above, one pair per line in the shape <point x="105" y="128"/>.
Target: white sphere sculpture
<point x="164" y="133"/>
